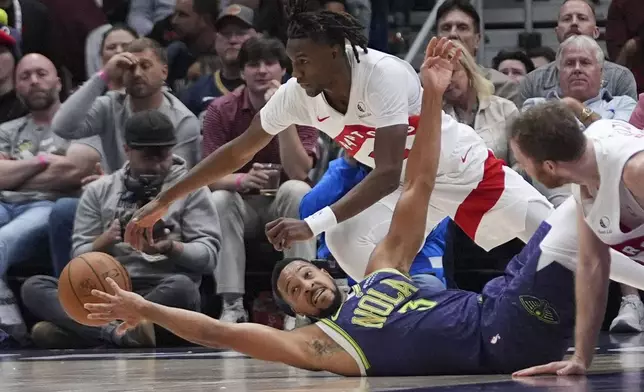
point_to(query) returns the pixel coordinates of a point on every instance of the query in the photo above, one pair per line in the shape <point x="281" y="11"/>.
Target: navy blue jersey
<point x="392" y="327"/>
<point x="201" y="93"/>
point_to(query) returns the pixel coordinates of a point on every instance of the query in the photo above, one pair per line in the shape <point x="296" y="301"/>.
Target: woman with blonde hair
<point x="470" y="100"/>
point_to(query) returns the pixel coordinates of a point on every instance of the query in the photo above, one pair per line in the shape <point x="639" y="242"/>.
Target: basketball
<point x="81" y="276"/>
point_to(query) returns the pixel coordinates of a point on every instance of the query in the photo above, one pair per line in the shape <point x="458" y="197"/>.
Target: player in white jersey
<point x="369" y="103"/>
<point x="605" y="166"/>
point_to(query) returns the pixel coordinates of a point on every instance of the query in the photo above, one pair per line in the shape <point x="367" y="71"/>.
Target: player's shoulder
<point x="634" y="171"/>
<point x="380" y="274"/>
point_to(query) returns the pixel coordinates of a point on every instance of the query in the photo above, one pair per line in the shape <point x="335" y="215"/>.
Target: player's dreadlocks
<point x="334" y="28"/>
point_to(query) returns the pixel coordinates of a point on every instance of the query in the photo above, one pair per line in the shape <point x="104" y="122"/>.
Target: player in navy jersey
<point x="388" y="325"/>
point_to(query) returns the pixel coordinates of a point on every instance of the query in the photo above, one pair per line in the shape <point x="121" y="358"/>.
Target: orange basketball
<point x="83" y="274"/>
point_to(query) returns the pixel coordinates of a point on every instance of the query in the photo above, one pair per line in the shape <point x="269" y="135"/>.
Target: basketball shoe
<point x="630" y="318"/>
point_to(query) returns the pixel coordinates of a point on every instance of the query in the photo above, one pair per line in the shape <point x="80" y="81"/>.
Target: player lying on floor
<point x="388" y="326"/>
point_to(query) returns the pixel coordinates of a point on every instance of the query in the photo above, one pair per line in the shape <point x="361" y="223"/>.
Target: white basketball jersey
<point x="385" y="91"/>
<point x="612" y="213"/>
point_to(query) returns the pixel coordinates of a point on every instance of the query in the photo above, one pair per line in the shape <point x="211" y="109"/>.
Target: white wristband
<point x="321" y="221"/>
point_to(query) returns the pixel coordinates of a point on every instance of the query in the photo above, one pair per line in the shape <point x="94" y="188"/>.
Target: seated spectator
<point x="577" y="17"/>
<point x="193" y="24"/>
<point x="541" y="56"/>
<point x="143" y="14"/>
<point x="625" y="37"/>
<point x="234" y="27"/>
<point x="169" y="272"/>
<point x="458" y="20"/>
<point x="470" y="101"/>
<point x="242" y="211"/>
<point x="116" y="41"/>
<point x="143" y="70"/>
<point x="580" y="61"/>
<point x="514" y="64"/>
<point x="342" y="175"/>
<point x="91" y="113"/>
<point x="10" y="106"/>
<point x="36" y="168"/>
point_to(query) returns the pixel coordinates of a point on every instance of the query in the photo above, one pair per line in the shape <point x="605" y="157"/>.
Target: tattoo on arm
<point x="324" y="347"/>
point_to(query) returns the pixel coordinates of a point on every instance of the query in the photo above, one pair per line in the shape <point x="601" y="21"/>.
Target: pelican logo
<point x="540" y="309"/>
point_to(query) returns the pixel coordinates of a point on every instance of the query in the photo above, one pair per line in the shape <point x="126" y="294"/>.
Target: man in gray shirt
<point x="90" y="112"/>
<point x="577" y="17"/>
<point x="36" y="168"/>
<point x="186" y="243"/>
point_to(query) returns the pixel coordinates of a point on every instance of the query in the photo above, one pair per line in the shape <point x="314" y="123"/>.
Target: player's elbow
<point x="390" y="177"/>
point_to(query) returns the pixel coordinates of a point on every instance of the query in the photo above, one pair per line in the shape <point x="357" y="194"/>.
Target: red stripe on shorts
<point x="483" y="198"/>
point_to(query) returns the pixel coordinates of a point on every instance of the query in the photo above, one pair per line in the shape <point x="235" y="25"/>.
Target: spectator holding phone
<point x="168" y="271"/>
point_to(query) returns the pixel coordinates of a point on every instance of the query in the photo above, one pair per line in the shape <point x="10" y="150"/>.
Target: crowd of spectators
<point x="104" y="103"/>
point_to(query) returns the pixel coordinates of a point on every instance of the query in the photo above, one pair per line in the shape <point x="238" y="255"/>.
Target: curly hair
<point x="333" y="28"/>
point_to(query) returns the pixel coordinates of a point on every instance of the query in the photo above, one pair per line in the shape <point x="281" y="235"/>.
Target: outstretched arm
<point x="407" y="231"/>
<point x="306" y="348"/>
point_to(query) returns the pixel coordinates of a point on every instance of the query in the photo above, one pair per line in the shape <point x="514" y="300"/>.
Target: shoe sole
<point x="624" y="327"/>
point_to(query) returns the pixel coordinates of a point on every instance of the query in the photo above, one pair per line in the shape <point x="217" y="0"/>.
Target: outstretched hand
<point x="124" y="306"/>
<point x="441" y="58"/>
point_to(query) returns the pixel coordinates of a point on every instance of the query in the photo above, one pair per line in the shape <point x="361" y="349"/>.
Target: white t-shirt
<point x="385" y="91"/>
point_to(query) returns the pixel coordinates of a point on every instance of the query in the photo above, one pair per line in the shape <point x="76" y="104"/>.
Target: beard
<point x="335" y="305"/>
<point x="37" y="102"/>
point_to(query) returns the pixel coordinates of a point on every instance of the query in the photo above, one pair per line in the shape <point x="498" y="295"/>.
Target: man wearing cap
<point x="234" y="27"/>
<point x="10" y="106"/>
<point x="187" y="241"/>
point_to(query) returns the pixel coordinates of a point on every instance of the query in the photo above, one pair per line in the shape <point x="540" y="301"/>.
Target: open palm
<point x="441" y="57"/>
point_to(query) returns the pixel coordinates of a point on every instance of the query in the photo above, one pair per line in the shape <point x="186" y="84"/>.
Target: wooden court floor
<point x="619" y="367"/>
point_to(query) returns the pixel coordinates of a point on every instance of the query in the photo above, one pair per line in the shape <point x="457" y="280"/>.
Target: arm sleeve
<point x="87" y="223"/>
<point x="387" y="93"/>
<point x="188" y="131"/>
<point x="200" y="232"/>
<point x="84" y="113"/>
<point x="285" y="108"/>
<point x="215" y="129"/>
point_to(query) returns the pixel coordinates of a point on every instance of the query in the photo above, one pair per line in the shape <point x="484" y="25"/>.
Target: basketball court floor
<point x="619" y="366"/>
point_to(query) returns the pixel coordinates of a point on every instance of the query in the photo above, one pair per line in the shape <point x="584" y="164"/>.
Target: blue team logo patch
<point x="540" y="309"/>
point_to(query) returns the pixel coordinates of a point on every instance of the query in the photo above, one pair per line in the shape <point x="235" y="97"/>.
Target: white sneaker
<point x="234" y="315"/>
<point x="289" y="323"/>
<point x="630" y="317"/>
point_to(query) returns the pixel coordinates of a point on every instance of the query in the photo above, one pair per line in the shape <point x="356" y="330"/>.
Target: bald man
<point x="36" y="168"/>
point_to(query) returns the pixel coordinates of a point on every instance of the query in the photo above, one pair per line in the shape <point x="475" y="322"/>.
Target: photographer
<point x="186" y="243"/>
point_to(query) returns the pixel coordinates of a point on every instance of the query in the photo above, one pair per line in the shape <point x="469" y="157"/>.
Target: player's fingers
<point x="103" y="295"/>
<point x="101" y="316"/>
<point x="99" y="308"/>
<point x="150" y="235"/>
<point x="429" y="51"/>
<point x="113" y="285"/>
<point x="272" y="228"/>
<point x="439" y="46"/>
<point x="535" y="370"/>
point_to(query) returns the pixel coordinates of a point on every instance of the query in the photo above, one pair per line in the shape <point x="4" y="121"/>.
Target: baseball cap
<point x="149" y="128"/>
<point x="236" y="11"/>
